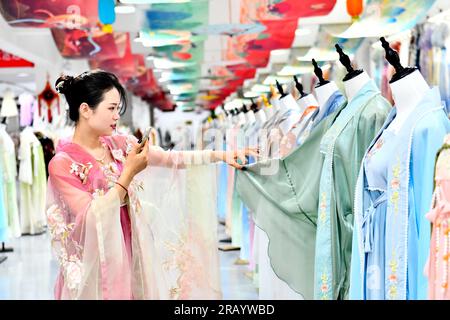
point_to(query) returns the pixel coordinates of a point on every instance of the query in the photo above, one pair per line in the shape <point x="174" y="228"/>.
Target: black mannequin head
<point x="345" y="60"/>
<point x="280" y="89"/>
<point x="299" y="87"/>
<point x="319" y="74"/>
<point x="394" y="60"/>
<point x="253" y="106"/>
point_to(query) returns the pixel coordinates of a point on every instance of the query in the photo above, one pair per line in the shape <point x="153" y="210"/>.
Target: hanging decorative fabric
<point x="384" y="18"/>
<point x="71" y="14"/>
<point x="48" y="95"/>
<point x="94" y="43"/>
<point x="106" y="14"/>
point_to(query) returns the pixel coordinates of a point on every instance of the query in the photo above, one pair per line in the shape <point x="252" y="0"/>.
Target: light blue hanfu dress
<point x="391" y="235"/>
<point x="373" y="225"/>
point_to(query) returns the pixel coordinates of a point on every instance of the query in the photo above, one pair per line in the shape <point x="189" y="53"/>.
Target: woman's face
<point x="103" y="120"/>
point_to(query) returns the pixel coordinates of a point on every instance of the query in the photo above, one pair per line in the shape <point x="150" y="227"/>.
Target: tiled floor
<point x="30" y="271"/>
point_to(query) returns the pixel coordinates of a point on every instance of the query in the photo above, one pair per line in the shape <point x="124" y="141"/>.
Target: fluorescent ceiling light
<point x="302" y="32"/>
<point x="295" y="70"/>
<point x="121" y="9"/>
<point x="251" y="94"/>
<point x="271" y="80"/>
<point x="319" y="55"/>
<point x="260" y="88"/>
<point x="443" y="16"/>
<point x="162" y="63"/>
<point x="279" y="52"/>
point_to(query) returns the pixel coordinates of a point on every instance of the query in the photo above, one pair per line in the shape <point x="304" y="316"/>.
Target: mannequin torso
<point x="241" y="119"/>
<point x="260" y="116"/>
<point x="269" y="111"/>
<point x="250" y="117"/>
<point x="407" y="93"/>
<point x="288" y="103"/>
<point x="307" y="101"/>
<point x="352" y="86"/>
<point x="323" y="93"/>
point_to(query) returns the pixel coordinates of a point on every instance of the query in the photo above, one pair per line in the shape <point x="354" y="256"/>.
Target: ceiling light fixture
<point x="121" y="9"/>
<point x="302" y="32"/>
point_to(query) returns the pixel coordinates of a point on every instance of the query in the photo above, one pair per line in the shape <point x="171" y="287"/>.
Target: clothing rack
<point x="4" y="249"/>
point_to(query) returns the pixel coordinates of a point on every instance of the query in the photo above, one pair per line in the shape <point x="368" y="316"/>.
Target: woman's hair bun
<point x="63" y="83"/>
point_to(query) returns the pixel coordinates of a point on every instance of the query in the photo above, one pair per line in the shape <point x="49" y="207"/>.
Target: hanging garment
<point x="392" y="197"/>
<point x="343" y="147"/>
<point x="143" y="249"/>
<point x="270" y="286"/>
<point x="48" y="147"/>
<point x="438" y="266"/>
<point x="3" y="213"/>
<point x="222" y="194"/>
<point x="8" y="163"/>
<point x="32" y="178"/>
<point x="9" y="106"/>
<point x="299" y="134"/>
<point x="26" y="102"/>
<point x="282" y="193"/>
<point x="288" y="141"/>
<point x="333" y="102"/>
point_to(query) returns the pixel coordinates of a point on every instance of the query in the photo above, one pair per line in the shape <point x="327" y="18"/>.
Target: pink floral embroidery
<point x="324" y="288"/>
<point x="81" y="171"/>
<point x="393" y="266"/>
<point x="73" y="272"/>
<point x="118" y="155"/>
<point x="323" y="207"/>
<point x="57" y="226"/>
<point x="395" y="185"/>
<point x="60" y="231"/>
<point x="375" y="148"/>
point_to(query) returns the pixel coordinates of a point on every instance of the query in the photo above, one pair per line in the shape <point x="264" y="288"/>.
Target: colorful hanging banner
<point x="8" y="60"/>
<point x="384" y="18"/>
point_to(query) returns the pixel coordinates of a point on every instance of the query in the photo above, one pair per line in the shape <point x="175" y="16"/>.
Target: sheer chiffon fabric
<point x="138" y="251"/>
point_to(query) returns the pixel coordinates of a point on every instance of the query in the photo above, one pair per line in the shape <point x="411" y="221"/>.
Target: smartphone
<point x="145" y="137"/>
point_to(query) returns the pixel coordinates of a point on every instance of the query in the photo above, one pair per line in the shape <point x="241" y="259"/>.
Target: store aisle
<point x="30" y="272"/>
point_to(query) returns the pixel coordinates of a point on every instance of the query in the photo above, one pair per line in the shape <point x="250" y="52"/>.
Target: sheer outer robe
<point x="344" y="146"/>
<point x="410" y="186"/>
<point x="282" y="193"/>
<point x="84" y="221"/>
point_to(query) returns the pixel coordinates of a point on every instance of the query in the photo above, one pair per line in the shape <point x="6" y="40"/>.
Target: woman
<point x="100" y="231"/>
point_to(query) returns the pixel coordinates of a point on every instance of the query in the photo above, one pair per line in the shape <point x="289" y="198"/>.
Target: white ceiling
<point x="37" y="45"/>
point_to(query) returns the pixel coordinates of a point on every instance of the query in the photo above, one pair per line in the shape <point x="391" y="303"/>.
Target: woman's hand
<point x="232" y="157"/>
<point x="137" y="159"/>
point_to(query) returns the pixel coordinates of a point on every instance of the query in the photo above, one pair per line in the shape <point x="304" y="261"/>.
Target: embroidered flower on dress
<point x="81" y="170"/>
<point x="324" y="288"/>
<point x="56" y="222"/>
<point x="98" y="193"/>
<point x="74" y="168"/>
<point x="392" y="290"/>
<point x="73" y="272"/>
<point x="129" y="145"/>
<point x="118" y="155"/>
